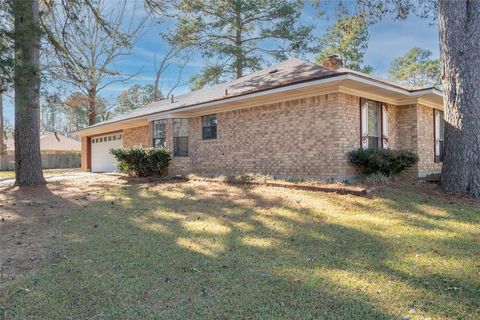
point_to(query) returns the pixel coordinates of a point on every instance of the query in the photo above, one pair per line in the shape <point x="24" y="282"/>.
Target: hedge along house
<point x="293" y="119"/>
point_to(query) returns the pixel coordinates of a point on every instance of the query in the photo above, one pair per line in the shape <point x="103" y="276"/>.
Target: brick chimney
<point x="333" y="62"/>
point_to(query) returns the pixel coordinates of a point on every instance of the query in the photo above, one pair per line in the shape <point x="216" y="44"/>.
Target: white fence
<point x="49" y="161"/>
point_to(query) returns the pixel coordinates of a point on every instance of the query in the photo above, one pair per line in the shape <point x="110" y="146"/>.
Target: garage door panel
<point x="102" y="159"/>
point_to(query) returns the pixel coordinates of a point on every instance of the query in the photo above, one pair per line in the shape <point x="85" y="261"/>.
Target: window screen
<point x="159" y="133"/>
<point x="209" y="127"/>
<point x="180" y="137"/>
<point x="373" y="125"/>
<point x="439" y="135"/>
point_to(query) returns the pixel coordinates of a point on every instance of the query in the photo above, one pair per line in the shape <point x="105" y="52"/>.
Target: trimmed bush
<point x="386" y="162"/>
<point x="142" y="162"/>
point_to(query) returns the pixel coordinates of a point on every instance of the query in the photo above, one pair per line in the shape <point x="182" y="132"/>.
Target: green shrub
<point x="387" y="162"/>
<point x="142" y="162"/>
<point x="376" y="179"/>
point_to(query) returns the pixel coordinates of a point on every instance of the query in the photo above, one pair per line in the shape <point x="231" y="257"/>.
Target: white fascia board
<point x="434" y="91"/>
<point x="111" y="127"/>
<point x="430" y="104"/>
<point x="367" y="95"/>
<point x="160" y="116"/>
<point x="391" y="100"/>
<point x="378" y="84"/>
<point x="164" y="116"/>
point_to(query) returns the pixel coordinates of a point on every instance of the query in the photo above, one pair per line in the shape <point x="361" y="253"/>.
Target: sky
<point x="388" y="39"/>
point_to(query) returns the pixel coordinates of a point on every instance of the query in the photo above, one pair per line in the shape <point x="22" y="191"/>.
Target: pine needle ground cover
<point x="115" y="248"/>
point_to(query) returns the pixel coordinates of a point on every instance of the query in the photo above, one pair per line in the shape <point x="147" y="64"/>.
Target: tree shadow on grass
<point x="213" y="251"/>
<point x="28" y="217"/>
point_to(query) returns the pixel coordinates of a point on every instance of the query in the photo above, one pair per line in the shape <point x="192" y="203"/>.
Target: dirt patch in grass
<point x="105" y="246"/>
<point x="29" y="216"/>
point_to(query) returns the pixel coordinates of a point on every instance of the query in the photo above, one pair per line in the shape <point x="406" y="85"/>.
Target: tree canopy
<point x="135" y="97"/>
<point x="348" y="37"/>
<point x="237" y="36"/>
<point x="87" y="48"/>
<point x="6" y="47"/>
<point x="416" y="68"/>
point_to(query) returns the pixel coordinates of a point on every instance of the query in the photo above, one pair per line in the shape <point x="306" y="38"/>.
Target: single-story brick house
<point x="293" y="119"/>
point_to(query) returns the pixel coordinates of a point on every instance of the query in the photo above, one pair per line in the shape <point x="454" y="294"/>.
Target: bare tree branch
<point x="174" y="52"/>
<point x="89" y="37"/>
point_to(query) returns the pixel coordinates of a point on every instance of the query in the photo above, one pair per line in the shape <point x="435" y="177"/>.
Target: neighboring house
<point x="293" y="119"/>
<point x="57" y="151"/>
<point x="50" y="143"/>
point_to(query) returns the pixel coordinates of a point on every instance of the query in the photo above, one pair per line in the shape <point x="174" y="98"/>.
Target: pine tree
<point x="416" y="68"/>
<point x="236" y="36"/>
<point x="348" y="37"/>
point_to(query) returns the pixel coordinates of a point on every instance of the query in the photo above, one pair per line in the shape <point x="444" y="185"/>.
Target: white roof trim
<point x="347" y="76"/>
<point x="160" y="116"/>
<point x="427" y="91"/>
<point x="391" y="87"/>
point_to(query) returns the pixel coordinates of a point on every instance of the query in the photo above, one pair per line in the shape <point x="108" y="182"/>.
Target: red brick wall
<point x="138" y="136"/>
<point x="84" y="155"/>
<point x="425" y="138"/>
<point x="307" y="137"/>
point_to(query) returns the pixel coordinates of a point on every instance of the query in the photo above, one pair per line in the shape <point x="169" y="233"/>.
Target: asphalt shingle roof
<point x="284" y="73"/>
<point x="52" y="141"/>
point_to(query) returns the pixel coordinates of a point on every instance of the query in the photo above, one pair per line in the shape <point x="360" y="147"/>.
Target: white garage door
<point x="102" y="159"/>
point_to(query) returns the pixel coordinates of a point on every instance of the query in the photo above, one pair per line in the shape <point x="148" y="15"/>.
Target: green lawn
<point x="197" y="250"/>
<point x="7" y="175"/>
<point x="47" y="172"/>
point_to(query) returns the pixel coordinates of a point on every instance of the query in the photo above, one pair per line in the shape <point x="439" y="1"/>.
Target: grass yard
<point x="7" y="175"/>
<point x="113" y="248"/>
<point x="4" y="175"/>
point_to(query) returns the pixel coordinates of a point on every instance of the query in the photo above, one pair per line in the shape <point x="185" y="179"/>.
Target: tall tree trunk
<point x="459" y="23"/>
<point x="28" y="162"/>
<point x="238" y="42"/>
<point x="2" y="128"/>
<point x="92" y="107"/>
